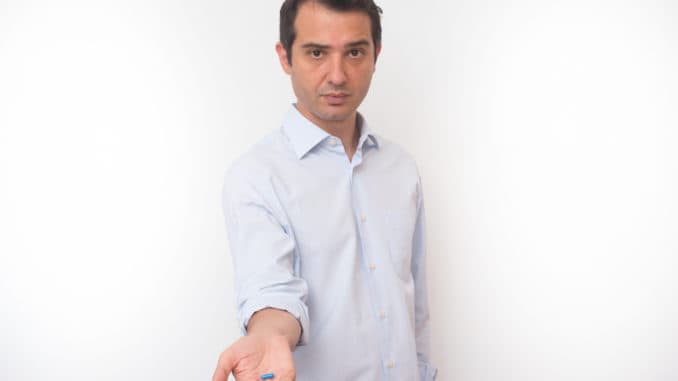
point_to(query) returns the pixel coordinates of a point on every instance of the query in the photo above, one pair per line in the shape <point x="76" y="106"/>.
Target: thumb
<point x="224" y="365"/>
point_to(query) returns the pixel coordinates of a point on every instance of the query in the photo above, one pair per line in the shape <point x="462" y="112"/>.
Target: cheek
<point x="308" y="80"/>
<point x="299" y="81"/>
<point x="364" y="77"/>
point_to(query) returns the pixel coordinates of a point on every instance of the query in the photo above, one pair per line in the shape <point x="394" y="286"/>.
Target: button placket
<point x="378" y="300"/>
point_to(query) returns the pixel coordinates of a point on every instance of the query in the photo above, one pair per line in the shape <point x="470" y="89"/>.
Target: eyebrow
<point x="357" y="43"/>
<point x="325" y="47"/>
<point x="314" y="45"/>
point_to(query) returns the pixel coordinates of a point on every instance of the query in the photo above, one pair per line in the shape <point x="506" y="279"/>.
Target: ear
<point x="376" y="55"/>
<point x="282" y="56"/>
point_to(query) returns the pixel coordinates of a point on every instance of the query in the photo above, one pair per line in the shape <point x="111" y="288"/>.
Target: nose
<point x="337" y="72"/>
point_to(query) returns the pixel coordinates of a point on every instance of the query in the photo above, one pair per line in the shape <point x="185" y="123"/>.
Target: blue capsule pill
<point x="267" y="376"/>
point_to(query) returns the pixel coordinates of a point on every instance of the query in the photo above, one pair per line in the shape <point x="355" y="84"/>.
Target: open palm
<point x="251" y="356"/>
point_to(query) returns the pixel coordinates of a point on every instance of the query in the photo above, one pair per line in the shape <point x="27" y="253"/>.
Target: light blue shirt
<point x="338" y="244"/>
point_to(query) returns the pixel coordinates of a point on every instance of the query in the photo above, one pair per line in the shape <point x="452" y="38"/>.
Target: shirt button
<point x="373" y="267"/>
<point x="390" y="364"/>
<point x="363" y="218"/>
<point x="382" y="315"/>
<point x="333" y="141"/>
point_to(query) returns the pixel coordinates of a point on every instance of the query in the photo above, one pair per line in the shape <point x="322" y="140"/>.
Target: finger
<point x="220" y="374"/>
<point x="224" y="366"/>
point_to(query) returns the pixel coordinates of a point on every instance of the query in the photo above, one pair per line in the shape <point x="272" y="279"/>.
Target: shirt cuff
<point x="295" y="307"/>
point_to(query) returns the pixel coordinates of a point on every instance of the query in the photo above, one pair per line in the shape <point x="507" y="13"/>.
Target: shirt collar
<point x="304" y="135"/>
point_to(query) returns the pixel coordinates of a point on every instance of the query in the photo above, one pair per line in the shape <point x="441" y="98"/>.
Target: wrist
<point x="273" y="323"/>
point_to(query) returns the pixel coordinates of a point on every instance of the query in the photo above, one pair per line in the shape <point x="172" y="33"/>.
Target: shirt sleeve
<point x="422" y="332"/>
<point x="263" y="253"/>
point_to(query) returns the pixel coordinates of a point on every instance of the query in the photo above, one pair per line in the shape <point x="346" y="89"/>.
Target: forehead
<point x="318" y="24"/>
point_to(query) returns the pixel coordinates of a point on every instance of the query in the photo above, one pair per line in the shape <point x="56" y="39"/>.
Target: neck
<point x="346" y="130"/>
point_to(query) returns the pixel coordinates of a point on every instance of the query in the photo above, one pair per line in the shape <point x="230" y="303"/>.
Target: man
<point x="326" y="221"/>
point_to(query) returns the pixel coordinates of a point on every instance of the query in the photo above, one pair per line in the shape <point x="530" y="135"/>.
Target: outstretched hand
<point x="251" y="356"/>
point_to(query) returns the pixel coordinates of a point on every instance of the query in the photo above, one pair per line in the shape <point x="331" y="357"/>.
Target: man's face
<point x="333" y="59"/>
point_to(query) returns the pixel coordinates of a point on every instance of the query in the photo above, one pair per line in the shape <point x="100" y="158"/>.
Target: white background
<point x="545" y="132"/>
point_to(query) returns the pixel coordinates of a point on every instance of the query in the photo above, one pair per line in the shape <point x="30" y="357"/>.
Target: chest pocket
<point x="400" y="234"/>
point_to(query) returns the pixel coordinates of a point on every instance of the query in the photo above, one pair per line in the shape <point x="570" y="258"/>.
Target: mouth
<point x="335" y="99"/>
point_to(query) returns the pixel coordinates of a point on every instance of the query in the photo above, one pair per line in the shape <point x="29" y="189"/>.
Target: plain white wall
<point x="545" y="132"/>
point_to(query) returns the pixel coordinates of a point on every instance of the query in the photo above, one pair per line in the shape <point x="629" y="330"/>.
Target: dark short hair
<point x="288" y="14"/>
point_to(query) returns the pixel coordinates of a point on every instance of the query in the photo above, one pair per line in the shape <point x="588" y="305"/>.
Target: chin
<point x="334" y="115"/>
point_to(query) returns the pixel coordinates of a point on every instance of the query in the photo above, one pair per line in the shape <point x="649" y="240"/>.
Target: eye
<point x="355" y="52"/>
<point x="316" y="53"/>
